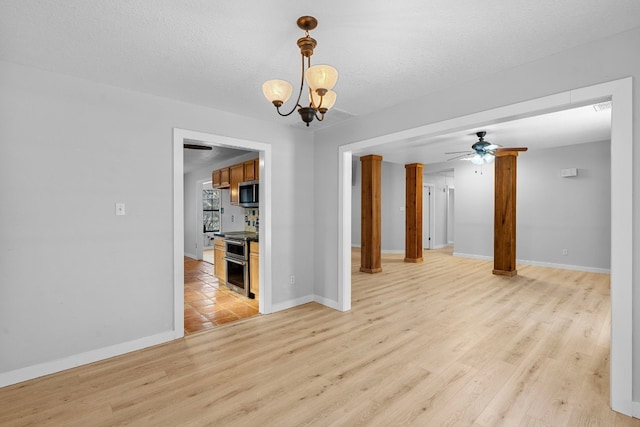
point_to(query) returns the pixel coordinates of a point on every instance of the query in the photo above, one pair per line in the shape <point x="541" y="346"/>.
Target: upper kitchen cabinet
<point x="251" y="169"/>
<point x="236" y="173"/>
<point x="233" y="175"/>
<point x="220" y="178"/>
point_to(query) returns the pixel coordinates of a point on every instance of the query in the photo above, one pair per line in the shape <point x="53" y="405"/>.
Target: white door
<point x="427" y="216"/>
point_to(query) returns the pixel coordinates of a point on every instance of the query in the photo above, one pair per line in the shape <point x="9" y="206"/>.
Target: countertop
<point x="243" y="235"/>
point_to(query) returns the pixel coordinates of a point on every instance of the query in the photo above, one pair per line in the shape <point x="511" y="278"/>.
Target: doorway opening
<point x="620" y="94"/>
<point x="264" y="270"/>
<point x="210" y="214"/>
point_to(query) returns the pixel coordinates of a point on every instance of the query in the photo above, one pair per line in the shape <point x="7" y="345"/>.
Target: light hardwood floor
<point x="443" y="342"/>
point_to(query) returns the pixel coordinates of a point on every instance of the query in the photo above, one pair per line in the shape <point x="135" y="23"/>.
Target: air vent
<point x="602" y="106"/>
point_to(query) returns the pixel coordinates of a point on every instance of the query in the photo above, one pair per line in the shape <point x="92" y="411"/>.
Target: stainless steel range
<point x="237" y="263"/>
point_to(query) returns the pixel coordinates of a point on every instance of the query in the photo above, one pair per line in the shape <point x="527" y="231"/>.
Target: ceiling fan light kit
<point x="319" y="78"/>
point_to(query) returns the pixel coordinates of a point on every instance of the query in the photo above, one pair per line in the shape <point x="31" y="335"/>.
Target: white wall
<point x="96" y="284"/>
<point x="602" y="61"/>
<point x="553" y="213"/>
<point x="392" y="214"/>
<point x="566" y="213"/>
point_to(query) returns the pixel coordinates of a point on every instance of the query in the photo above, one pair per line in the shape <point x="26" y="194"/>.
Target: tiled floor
<point x="207" y="304"/>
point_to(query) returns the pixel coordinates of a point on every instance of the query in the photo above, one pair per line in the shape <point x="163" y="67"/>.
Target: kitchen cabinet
<point x="251" y="168"/>
<point x="236" y="173"/>
<point x="219" y="268"/>
<point x="254" y="268"/>
<point x="233" y="175"/>
<point x="220" y="178"/>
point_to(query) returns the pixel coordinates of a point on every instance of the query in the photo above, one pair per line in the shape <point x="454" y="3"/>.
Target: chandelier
<point x="320" y="79"/>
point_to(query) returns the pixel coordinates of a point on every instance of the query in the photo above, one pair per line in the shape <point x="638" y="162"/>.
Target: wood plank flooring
<point x="442" y="342"/>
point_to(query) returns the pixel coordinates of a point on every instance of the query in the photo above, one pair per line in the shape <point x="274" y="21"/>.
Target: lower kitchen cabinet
<point x="254" y="267"/>
<point x="219" y="269"/>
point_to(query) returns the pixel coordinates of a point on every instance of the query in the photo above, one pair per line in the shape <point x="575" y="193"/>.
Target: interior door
<point x="427" y="194"/>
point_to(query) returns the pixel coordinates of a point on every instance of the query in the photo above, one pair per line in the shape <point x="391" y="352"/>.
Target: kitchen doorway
<point x="208" y="301"/>
<point x="264" y="150"/>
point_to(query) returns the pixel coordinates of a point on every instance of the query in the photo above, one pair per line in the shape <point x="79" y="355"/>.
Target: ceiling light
<point x="319" y="78"/>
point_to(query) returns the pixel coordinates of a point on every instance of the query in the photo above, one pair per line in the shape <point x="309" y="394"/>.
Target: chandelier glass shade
<point x="320" y="80"/>
<point x="277" y="91"/>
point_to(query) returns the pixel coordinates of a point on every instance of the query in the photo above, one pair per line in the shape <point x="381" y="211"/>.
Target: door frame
<point x="265" y="302"/>
<point x="199" y="218"/>
<point x="620" y="92"/>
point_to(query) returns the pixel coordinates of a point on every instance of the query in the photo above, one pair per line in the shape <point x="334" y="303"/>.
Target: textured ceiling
<point x="218" y="54"/>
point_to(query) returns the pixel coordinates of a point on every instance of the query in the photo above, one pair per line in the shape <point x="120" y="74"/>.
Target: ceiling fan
<point x="197" y="147"/>
<point x="481" y="152"/>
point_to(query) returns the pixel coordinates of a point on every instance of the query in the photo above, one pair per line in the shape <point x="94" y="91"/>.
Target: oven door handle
<point x="235" y="261"/>
<point x="235" y="242"/>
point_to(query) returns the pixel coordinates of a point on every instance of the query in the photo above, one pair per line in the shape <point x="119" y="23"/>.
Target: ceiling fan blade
<point x="461" y="157"/>
<point x="460" y="152"/>
<point x="198" y="147"/>
<point x="491" y="147"/>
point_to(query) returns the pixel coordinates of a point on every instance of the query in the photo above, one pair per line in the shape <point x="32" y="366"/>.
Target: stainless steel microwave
<point x="248" y="194"/>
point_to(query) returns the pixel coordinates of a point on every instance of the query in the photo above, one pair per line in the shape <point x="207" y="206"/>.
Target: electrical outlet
<point x="565" y="252"/>
<point x="292" y="280"/>
<point x="120" y="209"/>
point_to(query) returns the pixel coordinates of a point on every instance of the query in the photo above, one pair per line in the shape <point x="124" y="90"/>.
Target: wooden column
<point x="504" y="229"/>
<point x="370" y="215"/>
<point x="413" y="213"/>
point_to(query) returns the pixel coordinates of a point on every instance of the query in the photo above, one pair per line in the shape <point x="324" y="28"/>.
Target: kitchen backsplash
<point x="251" y="220"/>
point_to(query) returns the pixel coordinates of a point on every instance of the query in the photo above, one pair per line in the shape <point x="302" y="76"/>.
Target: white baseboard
<point x="327" y="302"/>
<point x="192" y="256"/>
<point x="304" y="300"/>
<point x="565" y="266"/>
<point x="46" y="368"/>
<point x="292" y="303"/>
<point x="635" y="409"/>
<point x="540" y="263"/>
<point x="473" y="256"/>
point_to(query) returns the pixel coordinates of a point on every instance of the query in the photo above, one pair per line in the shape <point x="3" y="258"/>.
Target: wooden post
<point x="371" y="225"/>
<point x="504" y="230"/>
<point x="413" y="213"/>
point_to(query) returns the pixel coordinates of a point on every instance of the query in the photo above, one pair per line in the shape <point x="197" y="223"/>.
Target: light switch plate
<point x="120" y="209"/>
